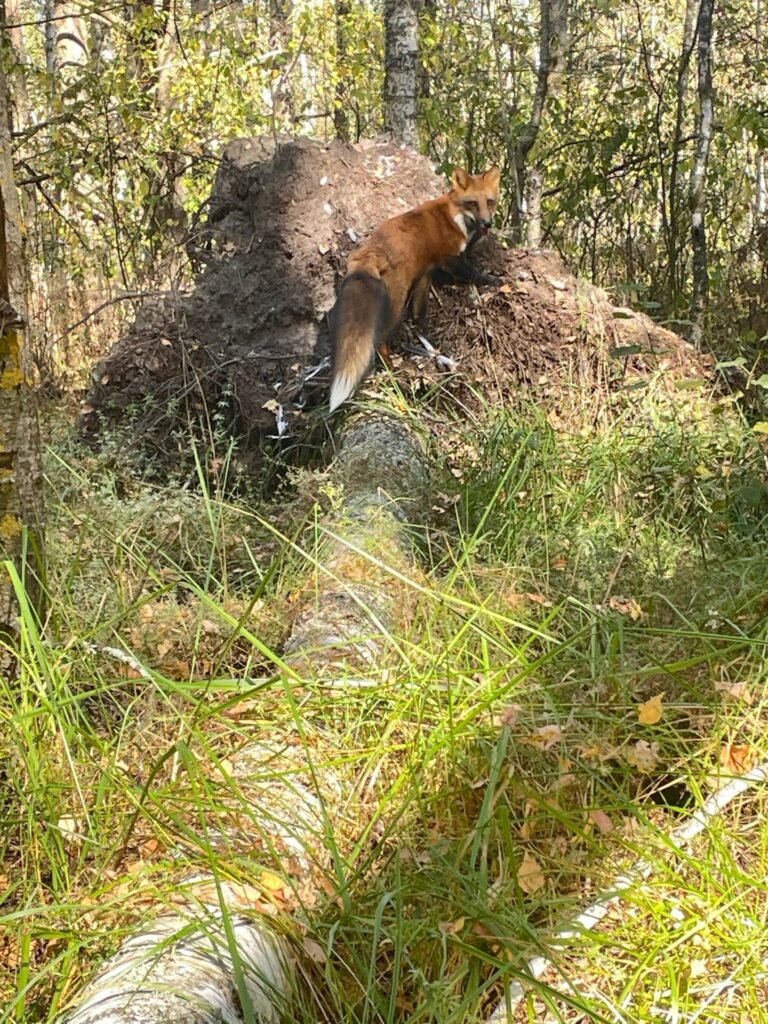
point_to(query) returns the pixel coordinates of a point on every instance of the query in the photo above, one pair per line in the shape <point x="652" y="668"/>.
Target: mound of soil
<point x="245" y="352"/>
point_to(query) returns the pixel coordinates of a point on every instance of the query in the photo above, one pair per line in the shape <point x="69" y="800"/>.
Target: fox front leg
<point x="420" y="301"/>
<point x="458" y="270"/>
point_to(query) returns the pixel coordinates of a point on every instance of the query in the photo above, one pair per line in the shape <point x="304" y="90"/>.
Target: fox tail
<point x="358" y="322"/>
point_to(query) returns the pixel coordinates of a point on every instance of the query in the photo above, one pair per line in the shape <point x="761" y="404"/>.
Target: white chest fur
<point x="462" y="225"/>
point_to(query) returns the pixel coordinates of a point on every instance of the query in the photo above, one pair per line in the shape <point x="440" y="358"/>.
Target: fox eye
<point x="471" y="204"/>
<point x="491" y="202"/>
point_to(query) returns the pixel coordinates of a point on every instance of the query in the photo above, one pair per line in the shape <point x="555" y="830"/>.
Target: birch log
<point x="356" y="596"/>
<point x="218" y="961"/>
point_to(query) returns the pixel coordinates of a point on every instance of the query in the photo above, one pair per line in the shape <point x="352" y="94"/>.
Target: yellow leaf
<point x="452" y="927"/>
<point x="270" y="882"/>
<point x="545" y="737"/>
<point x="530" y="877"/>
<point x="626" y="606"/>
<point x="651" y="711"/>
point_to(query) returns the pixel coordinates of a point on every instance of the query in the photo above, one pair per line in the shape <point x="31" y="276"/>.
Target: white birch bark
<point x="401" y="69"/>
<point x="183" y="971"/>
<point x="71" y="45"/>
<point x="699" y="175"/>
<point x="527" y="139"/>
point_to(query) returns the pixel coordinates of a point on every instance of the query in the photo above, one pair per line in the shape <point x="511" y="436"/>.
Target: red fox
<point x="393" y="267"/>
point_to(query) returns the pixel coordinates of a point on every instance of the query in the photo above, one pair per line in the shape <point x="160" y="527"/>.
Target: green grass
<point x="570" y="577"/>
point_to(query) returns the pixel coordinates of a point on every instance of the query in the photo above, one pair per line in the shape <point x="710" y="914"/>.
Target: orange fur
<point x="388" y="268"/>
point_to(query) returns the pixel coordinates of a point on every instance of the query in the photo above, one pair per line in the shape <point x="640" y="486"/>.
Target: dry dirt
<point x="237" y="353"/>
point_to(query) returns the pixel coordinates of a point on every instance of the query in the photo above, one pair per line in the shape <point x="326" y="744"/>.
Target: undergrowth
<point x="513" y="758"/>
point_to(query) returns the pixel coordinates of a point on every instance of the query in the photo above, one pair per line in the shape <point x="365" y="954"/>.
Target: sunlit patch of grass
<point x="567" y="579"/>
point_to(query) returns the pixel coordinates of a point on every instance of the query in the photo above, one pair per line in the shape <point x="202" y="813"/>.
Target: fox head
<point x="476" y="196"/>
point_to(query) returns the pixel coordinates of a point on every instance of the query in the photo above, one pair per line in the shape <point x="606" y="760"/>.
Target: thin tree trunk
<point x="559" y="48"/>
<point x="760" y="205"/>
<point x="534" y="184"/>
<point x="673" y="232"/>
<point x="169" y="215"/>
<point x="71" y="44"/>
<point x="205" y="965"/>
<point x="699" y="176"/>
<point x="283" y="109"/>
<point x="519" y="155"/>
<point x="401" y="69"/>
<point x="560" y="44"/>
<point x="21" y="494"/>
<point x="427" y="22"/>
<point x="50" y="38"/>
<point x="340" y="117"/>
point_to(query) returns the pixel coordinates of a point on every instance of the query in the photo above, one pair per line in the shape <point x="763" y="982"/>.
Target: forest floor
<point x="584" y="664"/>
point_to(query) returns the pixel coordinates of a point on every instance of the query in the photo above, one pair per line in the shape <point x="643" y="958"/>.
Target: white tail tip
<point x="341" y="389"/>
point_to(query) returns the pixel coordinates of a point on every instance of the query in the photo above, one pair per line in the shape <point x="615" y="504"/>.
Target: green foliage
<point x="573" y="578"/>
<point x="124" y="144"/>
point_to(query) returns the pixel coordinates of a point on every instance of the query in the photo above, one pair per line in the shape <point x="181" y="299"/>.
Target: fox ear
<point x="460" y="178"/>
<point x="492" y="176"/>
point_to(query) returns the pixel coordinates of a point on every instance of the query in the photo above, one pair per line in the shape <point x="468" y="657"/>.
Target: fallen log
<point x="218" y="960"/>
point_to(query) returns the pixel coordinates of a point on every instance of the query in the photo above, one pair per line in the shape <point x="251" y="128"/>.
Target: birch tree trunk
<point x="558" y="49"/>
<point x="283" y="106"/>
<point x="760" y="203"/>
<point x="340" y="115"/>
<point x="401" y="69"/>
<point x="674" y="276"/>
<point x="208" y="963"/>
<point x="518" y="157"/>
<point x="71" y="45"/>
<point x="21" y="512"/>
<point x="699" y="176"/>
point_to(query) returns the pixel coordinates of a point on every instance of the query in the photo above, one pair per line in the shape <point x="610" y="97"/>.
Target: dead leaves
<point x="626" y="606"/>
<point x="738" y="758"/>
<point x="736" y="692"/>
<point x="642" y="755"/>
<point x="545" y="737"/>
<point x="452" y="927"/>
<point x="601" y="820"/>
<point x="530" y="876"/>
<point x="650" y="712"/>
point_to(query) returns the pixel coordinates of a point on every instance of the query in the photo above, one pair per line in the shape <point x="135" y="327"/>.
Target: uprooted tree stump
<point x="245" y="352"/>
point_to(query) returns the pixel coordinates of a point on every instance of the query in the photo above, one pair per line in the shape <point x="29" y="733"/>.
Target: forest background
<point x="120" y="113"/>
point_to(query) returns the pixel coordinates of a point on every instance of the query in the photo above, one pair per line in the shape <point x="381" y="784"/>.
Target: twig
<point x="592" y="916"/>
<point x="123" y="656"/>
<point x="110" y="302"/>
